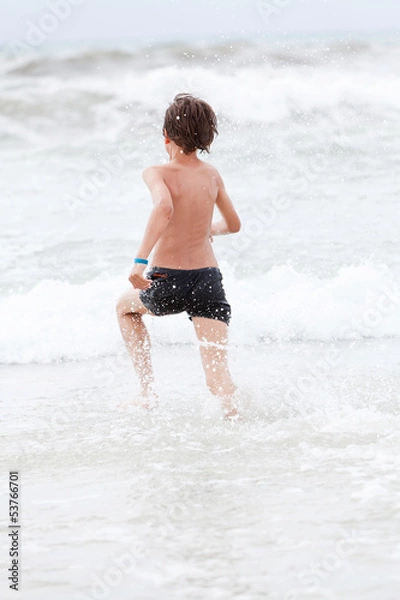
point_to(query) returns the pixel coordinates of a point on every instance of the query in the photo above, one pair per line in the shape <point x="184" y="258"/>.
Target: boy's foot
<point x="150" y="403"/>
<point x="232" y="415"/>
<point x="147" y="402"/>
<point x="148" y="399"/>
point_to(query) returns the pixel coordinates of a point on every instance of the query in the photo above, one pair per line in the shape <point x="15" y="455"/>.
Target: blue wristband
<point x="141" y="261"/>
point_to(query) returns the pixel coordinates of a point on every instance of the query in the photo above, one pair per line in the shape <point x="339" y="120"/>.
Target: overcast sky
<point x="77" y="20"/>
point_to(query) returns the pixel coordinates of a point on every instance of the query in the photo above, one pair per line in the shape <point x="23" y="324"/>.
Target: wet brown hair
<point x="190" y="123"/>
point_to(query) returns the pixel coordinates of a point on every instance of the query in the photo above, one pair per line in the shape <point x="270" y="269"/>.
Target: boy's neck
<point x="177" y="155"/>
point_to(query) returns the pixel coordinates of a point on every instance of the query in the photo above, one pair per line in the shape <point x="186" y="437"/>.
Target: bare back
<point x="185" y="243"/>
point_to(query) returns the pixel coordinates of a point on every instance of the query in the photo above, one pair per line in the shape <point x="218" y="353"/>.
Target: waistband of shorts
<point x="182" y="271"/>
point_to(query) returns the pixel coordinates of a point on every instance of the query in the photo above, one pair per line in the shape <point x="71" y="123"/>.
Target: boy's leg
<point x="213" y="337"/>
<point x="130" y="310"/>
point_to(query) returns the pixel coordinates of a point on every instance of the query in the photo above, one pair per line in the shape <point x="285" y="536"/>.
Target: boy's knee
<point x="123" y="311"/>
<point x="120" y="307"/>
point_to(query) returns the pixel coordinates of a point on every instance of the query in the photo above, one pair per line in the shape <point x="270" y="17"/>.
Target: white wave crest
<point x="62" y="321"/>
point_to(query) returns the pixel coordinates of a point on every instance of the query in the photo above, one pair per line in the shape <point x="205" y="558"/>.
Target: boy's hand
<point x="137" y="279"/>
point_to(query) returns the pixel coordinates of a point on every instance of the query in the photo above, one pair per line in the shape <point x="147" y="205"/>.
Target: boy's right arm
<point x="159" y="218"/>
<point x="230" y="222"/>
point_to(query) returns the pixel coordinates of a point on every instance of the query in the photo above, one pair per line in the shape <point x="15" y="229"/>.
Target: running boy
<point x="184" y="275"/>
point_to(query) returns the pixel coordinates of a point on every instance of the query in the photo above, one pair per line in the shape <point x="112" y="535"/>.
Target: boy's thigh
<point x="213" y="331"/>
<point x="213" y="336"/>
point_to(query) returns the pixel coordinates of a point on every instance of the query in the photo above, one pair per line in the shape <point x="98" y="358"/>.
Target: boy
<point x="185" y="275"/>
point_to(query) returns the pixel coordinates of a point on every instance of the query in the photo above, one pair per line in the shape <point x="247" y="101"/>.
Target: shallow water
<point x="298" y="500"/>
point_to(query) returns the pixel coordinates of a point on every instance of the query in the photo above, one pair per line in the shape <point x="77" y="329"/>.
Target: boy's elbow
<point x="235" y="228"/>
<point x="166" y="209"/>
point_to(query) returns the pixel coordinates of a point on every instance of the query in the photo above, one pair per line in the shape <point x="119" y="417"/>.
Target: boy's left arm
<point x="159" y="218"/>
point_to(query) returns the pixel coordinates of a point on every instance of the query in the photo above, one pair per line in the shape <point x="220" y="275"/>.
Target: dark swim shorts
<point x="199" y="292"/>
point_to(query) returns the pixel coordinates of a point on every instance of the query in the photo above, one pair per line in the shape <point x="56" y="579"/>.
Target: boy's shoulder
<point x="152" y="169"/>
<point x="157" y="171"/>
<point x="152" y="173"/>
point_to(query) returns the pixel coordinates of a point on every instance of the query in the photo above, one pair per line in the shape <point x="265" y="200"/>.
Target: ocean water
<point x="298" y="501"/>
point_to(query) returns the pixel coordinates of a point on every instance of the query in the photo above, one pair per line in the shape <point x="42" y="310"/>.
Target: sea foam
<point x="58" y="320"/>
